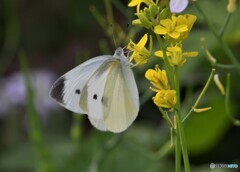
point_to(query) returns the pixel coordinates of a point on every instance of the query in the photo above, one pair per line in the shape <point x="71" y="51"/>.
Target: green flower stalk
<point x="170" y="30"/>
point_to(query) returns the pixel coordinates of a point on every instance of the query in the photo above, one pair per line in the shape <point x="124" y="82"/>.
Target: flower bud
<point x="165" y="98"/>
<point x="219" y="84"/>
<point x="145" y="21"/>
<point x="198" y="110"/>
<point x="231" y="6"/>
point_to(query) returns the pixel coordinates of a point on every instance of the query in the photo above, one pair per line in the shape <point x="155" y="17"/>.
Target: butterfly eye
<point x="95" y="96"/>
<point x="77" y="91"/>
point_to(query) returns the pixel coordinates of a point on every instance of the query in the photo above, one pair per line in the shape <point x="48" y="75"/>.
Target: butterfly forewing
<point x="67" y="90"/>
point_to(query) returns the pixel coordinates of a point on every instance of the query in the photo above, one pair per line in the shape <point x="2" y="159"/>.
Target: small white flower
<point x="177" y="6"/>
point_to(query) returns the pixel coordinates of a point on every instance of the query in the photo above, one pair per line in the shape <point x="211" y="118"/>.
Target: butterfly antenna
<point x="127" y="27"/>
<point x="113" y="35"/>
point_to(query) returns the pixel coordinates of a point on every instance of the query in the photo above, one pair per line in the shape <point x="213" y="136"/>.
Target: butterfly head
<point x="119" y="54"/>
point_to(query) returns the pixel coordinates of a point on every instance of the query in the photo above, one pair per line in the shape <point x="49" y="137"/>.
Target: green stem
<point x="76" y="134"/>
<point x="35" y="131"/>
<point x="227" y="97"/>
<point x="146" y="96"/>
<point x="109" y="11"/>
<point x="227" y="103"/>
<point x="177" y="152"/>
<point x="165" y="59"/>
<point x="122" y="8"/>
<point x="99" y="158"/>
<point x="183" y="142"/>
<point x="11" y="35"/>
<point x="224" y="46"/>
<point x="164" y="150"/>
<point x="180" y="130"/>
<point x="201" y="95"/>
<point x="167" y="4"/>
<point x="224" y="66"/>
<point x="110" y="20"/>
<point x="166" y="117"/>
<point x="177" y="88"/>
<point x="75" y="130"/>
<point x="100" y="19"/>
<point x="221" y="33"/>
<point x="177" y="139"/>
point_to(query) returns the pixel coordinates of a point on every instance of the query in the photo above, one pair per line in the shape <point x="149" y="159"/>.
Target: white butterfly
<point x="104" y="88"/>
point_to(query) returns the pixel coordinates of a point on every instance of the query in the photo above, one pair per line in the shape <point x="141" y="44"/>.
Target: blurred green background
<point x="41" y="40"/>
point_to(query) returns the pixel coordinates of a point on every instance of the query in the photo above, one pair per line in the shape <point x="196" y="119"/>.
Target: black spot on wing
<point x="77" y="91"/>
<point x="58" y="89"/>
<point x="95" y="96"/>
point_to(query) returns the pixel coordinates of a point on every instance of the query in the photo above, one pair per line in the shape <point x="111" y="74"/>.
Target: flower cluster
<point x="140" y="53"/>
<point x="175" y="55"/>
<point x="165" y="97"/>
<point x="170" y="30"/>
<point x="174" y="30"/>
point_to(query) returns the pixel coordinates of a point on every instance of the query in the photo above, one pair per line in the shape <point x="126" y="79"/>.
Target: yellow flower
<point x="188" y="20"/>
<point x="170" y="27"/>
<point x="165" y="98"/>
<point x="175" y="55"/>
<point x="140" y="53"/>
<point x="158" y="79"/>
<point x="137" y="3"/>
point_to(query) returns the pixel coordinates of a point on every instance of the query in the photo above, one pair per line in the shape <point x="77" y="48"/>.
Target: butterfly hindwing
<point x="92" y="99"/>
<point x="98" y="123"/>
<point x="123" y="102"/>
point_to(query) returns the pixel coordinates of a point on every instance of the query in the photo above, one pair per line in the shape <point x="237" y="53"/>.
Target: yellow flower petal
<point x="174" y="18"/>
<point x="166" y="23"/>
<point x="158" y="79"/>
<point x="174" y="49"/>
<point x="159" y="53"/>
<point x="140" y="53"/>
<point x="181" y="28"/>
<point x="149" y="74"/>
<point x="142" y="41"/>
<point x="190" y="54"/>
<point x="190" y="20"/>
<point x="160" y="30"/>
<point x="134" y="3"/>
<point x="174" y="35"/>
